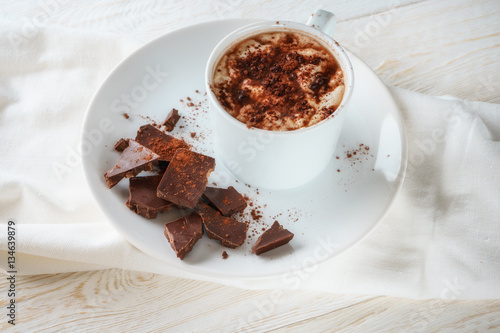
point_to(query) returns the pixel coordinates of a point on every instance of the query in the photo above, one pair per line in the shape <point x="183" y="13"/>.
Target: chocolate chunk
<point x="162" y="167"/>
<point x="142" y="197"/>
<point x="225" y="255"/>
<point x="134" y="159"/>
<point x="272" y="238"/>
<point x="228" y="231"/>
<point x="121" y="145"/>
<point x="172" y="119"/>
<point x="183" y="233"/>
<point x="227" y="201"/>
<point x="186" y="178"/>
<point x="161" y="143"/>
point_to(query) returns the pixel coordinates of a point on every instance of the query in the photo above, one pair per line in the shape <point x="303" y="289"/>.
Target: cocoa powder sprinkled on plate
<point x="358" y="154"/>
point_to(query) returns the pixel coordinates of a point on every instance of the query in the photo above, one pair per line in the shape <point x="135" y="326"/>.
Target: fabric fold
<point x="440" y="239"/>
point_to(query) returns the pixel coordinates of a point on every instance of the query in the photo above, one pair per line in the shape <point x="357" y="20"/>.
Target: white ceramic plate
<point x="327" y="216"/>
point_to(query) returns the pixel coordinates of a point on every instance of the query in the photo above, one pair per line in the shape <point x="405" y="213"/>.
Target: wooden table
<point x="433" y="47"/>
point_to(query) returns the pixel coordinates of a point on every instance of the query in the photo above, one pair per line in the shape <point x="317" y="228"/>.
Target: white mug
<point x="278" y="160"/>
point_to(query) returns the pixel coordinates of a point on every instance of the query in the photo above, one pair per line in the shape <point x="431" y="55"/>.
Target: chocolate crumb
<point x="354" y="154"/>
<point x="121" y="145"/>
<point x="256" y="216"/>
<point x="224" y="255"/>
<point x="126" y="115"/>
<point x="171" y="120"/>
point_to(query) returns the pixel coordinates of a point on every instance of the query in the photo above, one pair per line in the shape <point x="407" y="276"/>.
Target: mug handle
<point x="323" y="21"/>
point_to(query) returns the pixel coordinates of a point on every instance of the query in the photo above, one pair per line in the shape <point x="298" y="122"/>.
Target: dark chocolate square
<point x="227" y="230"/>
<point x="227" y="201"/>
<point x="143" y="199"/>
<point x="161" y="143"/>
<point x="186" y="178"/>
<point x="183" y="233"/>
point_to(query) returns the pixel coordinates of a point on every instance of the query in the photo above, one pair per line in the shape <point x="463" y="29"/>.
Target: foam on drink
<point x="279" y="81"/>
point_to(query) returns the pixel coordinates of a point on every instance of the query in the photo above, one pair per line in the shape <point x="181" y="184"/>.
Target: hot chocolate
<point x="279" y="81"/>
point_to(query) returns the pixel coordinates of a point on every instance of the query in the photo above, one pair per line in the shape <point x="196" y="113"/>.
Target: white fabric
<point x="441" y="239"/>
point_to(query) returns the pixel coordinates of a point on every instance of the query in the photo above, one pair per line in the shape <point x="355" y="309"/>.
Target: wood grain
<point x="433" y="47"/>
<point x="446" y="47"/>
<point x="436" y="48"/>
<point x="115" y="300"/>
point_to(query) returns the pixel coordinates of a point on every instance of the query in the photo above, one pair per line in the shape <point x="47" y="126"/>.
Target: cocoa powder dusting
<point x="272" y="67"/>
<point x="358" y="153"/>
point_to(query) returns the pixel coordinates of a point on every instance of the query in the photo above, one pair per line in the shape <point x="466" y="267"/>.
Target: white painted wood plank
<point x="433" y="47"/>
<point x="117" y="300"/>
<point x="149" y="19"/>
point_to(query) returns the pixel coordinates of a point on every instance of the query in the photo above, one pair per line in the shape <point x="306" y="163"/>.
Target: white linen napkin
<point x="441" y="239"/>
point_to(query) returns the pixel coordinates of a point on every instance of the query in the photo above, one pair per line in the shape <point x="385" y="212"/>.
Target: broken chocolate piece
<point x="172" y="119"/>
<point x="134" y="159"/>
<point x="161" y="143"/>
<point x="183" y="233"/>
<point x="186" y="178"/>
<point x="121" y="145"/>
<point x="227" y="201"/>
<point x="142" y="197"/>
<point x="162" y="167"/>
<point x="227" y="230"/>
<point x="272" y="238"/>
